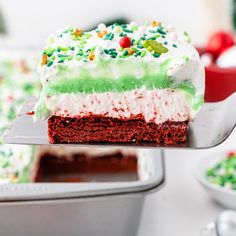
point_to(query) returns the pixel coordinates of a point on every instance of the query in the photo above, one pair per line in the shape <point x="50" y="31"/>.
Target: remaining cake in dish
<point x="18" y="81"/>
<point x="121" y="83"/>
<point x="72" y="164"/>
<point x="15" y="163"/>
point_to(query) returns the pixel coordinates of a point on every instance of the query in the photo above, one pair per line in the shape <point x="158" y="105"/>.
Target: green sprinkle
<point x="61" y="61"/>
<point x="109" y="36"/>
<point x="113" y="54"/>
<point x="128" y="31"/>
<point x="62" y="55"/>
<point x="161" y="31"/>
<point x="134" y="28"/>
<point x="154" y="46"/>
<point x="66" y="31"/>
<point x="157" y="35"/>
<point x="137" y="41"/>
<point x="137" y="53"/>
<point x="122" y="34"/>
<point x="140" y="46"/>
<point x="155" y="54"/>
<point x="186" y="33"/>
<point x="153" y="31"/>
<point x="123" y="25"/>
<point x="80" y="53"/>
<point x="63" y="48"/>
<point x="125" y="53"/>
<point x="165" y="43"/>
<point x="143" y="53"/>
<point x="106" y="51"/>
<point x="72" y="48"/>
<point x="49" y="54"/>
<point x="187" y="37"/>
<point x="152" y="38"/>
<point x="87" y="36"/>
<point x="49" y="63"/>
<point x="93" y="48"/>
<point x="186" y="58"/>
<point x="174" y="45"/>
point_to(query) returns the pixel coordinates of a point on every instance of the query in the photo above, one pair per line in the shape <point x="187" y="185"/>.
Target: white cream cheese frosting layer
<point x="157" y="106"/>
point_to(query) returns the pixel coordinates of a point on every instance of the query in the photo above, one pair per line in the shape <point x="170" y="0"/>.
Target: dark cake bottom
<point x="105" y="129"/>
<point x="84" y="168"/>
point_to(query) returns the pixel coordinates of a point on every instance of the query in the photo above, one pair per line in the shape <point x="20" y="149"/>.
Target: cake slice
<point x="121" y="83"/>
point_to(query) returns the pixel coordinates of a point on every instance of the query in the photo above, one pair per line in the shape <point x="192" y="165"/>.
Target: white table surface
<point x="182" y="207"/>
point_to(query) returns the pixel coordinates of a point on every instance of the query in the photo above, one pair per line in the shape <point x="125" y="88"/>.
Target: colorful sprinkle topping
<point x="115" y="41"/>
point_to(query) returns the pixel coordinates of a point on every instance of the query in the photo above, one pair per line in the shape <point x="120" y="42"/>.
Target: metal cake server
<point x="211" y="127"/>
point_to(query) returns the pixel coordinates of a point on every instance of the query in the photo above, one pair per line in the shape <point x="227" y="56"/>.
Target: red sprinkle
<point x="231" y="154"/>
<point x="30" y="113"/>
<point x="125" y="42"/>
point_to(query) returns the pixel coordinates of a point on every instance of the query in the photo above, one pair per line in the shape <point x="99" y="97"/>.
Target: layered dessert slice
<point x="121" y="83"/>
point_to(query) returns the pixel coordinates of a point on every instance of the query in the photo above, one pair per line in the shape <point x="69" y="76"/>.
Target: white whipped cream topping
<point x="158" y="106"/>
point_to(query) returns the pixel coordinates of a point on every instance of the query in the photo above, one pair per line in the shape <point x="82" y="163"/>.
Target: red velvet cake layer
<point x="104" y="129"/>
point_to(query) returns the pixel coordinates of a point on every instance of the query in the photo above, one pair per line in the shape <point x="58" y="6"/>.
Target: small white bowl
<point x="222" y="195"/>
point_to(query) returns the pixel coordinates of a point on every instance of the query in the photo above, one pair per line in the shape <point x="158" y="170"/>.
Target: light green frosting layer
<point x="101" y="78"/>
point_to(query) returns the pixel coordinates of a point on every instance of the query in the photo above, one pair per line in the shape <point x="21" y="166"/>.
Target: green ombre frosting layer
<point x="102" y="78"/>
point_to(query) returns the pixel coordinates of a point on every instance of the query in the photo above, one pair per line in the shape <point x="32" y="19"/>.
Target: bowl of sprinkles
<point x="217" y="174"/>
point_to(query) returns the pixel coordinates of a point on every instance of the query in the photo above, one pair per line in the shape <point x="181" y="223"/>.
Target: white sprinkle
<point x="102" y="26"/>
<point x="133" y="23"/>
<point x="173" y="36"/>
<point x="141" y="30"/>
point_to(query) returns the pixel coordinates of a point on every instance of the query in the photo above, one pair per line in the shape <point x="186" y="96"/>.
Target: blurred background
<point x="30" y="22"/>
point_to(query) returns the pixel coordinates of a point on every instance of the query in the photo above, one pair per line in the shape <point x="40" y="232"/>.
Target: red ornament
<point x="125" y="42"/>
<point x="219" y="42"/>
